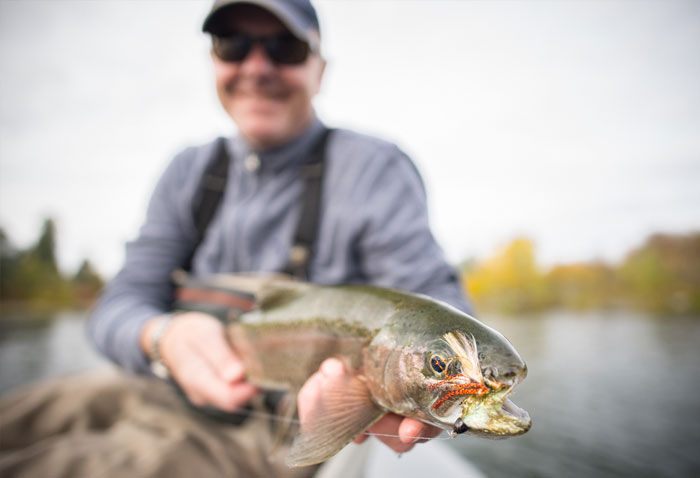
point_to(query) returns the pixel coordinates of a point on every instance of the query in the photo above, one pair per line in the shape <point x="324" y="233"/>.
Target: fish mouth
<point x="511" y="420"/>
<point x="516" y="414"/>
<point x="495" y="417"/>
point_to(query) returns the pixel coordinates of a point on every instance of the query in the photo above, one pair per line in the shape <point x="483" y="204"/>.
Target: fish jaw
<point x="471" y="398"/>
<point x="493" y="416"/>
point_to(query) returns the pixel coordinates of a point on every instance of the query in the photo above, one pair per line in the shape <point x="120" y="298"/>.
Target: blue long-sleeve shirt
<point x="373" y="229"/>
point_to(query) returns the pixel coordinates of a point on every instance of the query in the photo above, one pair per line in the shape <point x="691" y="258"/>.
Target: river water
<point x="610" y="394"/>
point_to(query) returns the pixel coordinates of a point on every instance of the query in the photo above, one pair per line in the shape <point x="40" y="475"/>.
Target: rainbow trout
<point x="407" y="354"/>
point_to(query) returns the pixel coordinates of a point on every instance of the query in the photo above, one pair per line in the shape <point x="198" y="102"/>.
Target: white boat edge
<point x="373" y="459"/>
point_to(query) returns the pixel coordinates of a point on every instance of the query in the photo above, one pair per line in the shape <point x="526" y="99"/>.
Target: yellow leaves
<point x="662" y="276"/>
<point x="509" y="281"/>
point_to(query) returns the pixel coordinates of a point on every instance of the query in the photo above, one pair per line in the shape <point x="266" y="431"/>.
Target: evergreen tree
<point x="87" y="282"/>
<point x="8" y="265"/>
<point x="45" y="249"/>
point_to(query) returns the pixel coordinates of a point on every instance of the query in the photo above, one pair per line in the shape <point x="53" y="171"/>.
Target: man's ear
<point x="321" y="69"/>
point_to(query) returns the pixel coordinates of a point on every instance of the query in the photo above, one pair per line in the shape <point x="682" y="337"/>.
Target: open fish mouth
<point x="517" y="414"/>
<point x="495" y="417"/>
<point x="514" y="411"/>
<point x="510" y="420"/>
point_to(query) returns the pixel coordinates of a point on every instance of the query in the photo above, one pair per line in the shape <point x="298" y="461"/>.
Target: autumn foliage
<point x="662" y="276"/>
<point x="32" y="282"/>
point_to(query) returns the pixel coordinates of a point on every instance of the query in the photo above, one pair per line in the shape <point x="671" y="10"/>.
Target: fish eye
<point x="438" y="363"/>
<point x="482" y="355"/>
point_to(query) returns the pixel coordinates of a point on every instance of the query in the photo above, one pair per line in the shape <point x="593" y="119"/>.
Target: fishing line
<point x="441" y="436"/>
<point x="258" y="414"/>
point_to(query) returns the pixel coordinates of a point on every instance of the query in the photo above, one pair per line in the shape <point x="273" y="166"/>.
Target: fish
<point x="406" y="353"/>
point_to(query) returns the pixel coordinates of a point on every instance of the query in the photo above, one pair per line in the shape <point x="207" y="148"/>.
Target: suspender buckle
<point x="299" y="254"/>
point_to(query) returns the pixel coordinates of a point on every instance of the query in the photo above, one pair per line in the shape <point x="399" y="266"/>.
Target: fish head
<point x="455" y="372"/>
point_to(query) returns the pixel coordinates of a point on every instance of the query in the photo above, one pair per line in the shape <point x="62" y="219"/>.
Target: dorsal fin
<point x="250" y="283"/>
<point x="269" y="289"/>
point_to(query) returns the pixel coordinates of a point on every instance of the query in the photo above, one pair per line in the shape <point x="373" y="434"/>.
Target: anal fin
<point x="344" y="410"/>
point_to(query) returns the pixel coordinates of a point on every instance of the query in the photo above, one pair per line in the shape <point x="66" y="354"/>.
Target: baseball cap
<point x="299" y="16"/>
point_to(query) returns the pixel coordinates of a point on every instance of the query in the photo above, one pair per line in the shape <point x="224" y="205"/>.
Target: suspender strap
<point x="213" y="185"/>
<point x="307" y="229"/>
<point x="209" y="194"/>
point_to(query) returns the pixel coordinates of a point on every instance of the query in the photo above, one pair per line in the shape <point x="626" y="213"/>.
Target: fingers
<point x="332" y="367"/>
<point x="414" y="431"/>
<point x="397" y="432"/>
<point x="387" y="431"/>
<point x="220" y="357"/>
<point x="310" y="393"/>
<point x="200" y="359"/>
<point x="400" y="433"/>
<point x="361" y="438"/>
<point x="204" y="387"/>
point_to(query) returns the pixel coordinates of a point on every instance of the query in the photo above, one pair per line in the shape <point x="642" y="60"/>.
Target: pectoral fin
<point x="345" y="410"/>
<point x="286" y="409"/>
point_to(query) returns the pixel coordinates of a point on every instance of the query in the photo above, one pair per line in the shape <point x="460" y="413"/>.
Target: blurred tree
<point x="8" y="265"/>
<point x="87" y="282"/>
<point x="510" y="281"/>
<point x="45" y="249"/>
<point x="30" y="279"/>
<point x="584" y="286"/>
<point x="663" y="275"/>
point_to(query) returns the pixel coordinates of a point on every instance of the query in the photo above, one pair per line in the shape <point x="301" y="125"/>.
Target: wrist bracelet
<point x="158" y="365"/>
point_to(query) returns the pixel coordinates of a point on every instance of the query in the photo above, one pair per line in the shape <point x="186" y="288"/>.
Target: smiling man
<point x="266" y="77"/>
<point x="252" y="202"/>
<point x="372" y="224"/>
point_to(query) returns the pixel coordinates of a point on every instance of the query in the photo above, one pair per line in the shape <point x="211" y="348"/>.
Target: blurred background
<point x="559" y="146"/>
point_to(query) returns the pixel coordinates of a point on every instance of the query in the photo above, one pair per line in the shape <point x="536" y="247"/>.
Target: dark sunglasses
<point x="284" y="49"/>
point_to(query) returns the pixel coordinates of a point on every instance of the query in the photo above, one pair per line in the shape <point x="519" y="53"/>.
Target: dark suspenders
<point x="307" y="228"/>
<point x="213" y="185"/>
<point x="206" y="201"/>
<point x="209" y="193"/>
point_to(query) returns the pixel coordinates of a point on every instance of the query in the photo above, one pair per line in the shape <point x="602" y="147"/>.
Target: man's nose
<point x="257" y="61"/>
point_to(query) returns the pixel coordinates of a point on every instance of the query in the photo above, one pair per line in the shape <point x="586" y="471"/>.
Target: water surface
<point x="610" y="394"/>
<point x="31" y="349"/>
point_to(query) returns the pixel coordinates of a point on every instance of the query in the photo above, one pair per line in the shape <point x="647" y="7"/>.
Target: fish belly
<point x="284" y="355"/>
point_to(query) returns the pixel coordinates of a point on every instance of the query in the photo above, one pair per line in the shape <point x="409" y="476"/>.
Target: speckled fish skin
<point x="391" y="342"/>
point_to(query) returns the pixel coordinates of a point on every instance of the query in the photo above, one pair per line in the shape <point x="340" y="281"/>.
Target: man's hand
<point x="405" y="431"/>
<point x="195" y="349"/>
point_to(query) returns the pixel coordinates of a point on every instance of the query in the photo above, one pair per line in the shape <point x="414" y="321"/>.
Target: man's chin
<point x="266" y="126"/>
<point x="264" y="136"/>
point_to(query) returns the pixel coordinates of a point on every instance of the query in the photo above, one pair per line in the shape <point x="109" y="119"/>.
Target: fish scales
<point x="406" y="353"/>
<point x="284" y="341"/>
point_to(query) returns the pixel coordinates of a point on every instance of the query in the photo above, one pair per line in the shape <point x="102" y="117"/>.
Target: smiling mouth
<point x="266" y="90"/>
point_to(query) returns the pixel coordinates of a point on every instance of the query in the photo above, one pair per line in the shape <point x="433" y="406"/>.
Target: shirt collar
<point x="292" y="153"/>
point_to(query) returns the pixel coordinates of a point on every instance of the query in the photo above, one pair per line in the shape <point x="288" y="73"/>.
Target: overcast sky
<point x="574" y="123"/>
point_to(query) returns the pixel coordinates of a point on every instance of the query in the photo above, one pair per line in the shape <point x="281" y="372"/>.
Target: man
<point x="373" y="225"/>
